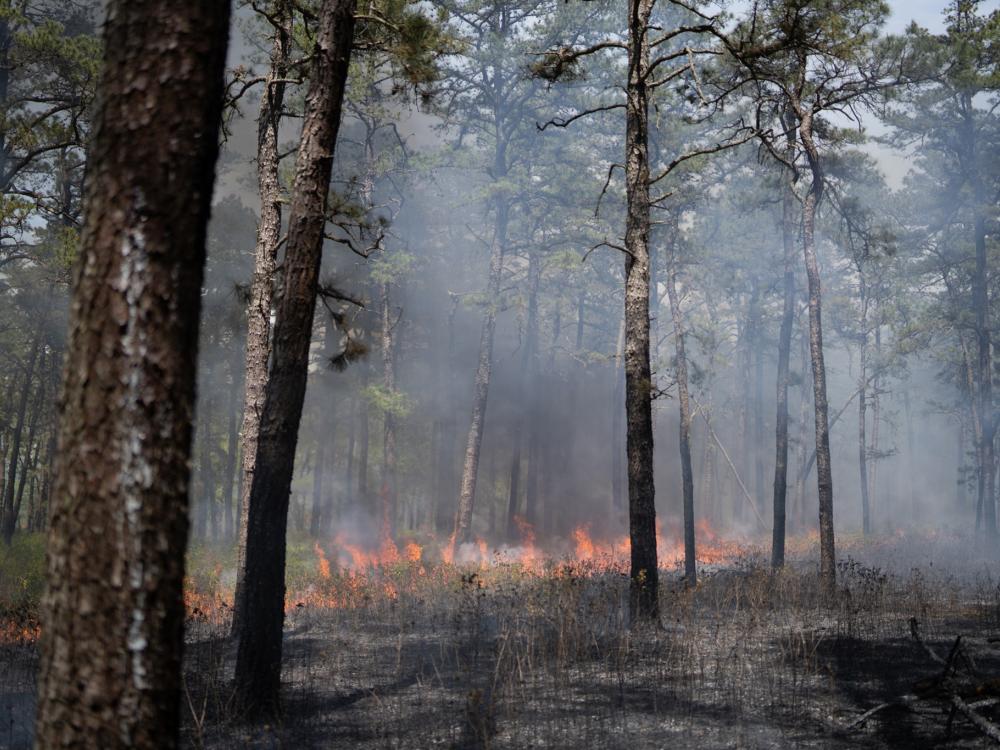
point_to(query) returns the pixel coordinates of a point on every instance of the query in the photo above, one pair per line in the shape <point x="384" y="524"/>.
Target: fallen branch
<point x="980" y="722"/>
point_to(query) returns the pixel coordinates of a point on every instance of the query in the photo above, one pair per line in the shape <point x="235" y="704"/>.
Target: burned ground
<point x="511" y="656"/>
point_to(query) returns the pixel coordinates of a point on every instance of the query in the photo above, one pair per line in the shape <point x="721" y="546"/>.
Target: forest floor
<point x="511" y="655"/>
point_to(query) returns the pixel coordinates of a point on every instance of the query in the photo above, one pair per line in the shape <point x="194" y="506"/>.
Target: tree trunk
<point x="258" y="345"/>
<point x="876" y="406"/>
<point x="618" y="470"/>
<point x="749" y="409"/>
<point x="802" y="435"/>
<point x="207" y="511"/>
<point x="824" y="472"/>
<point x="470" y="467"/>
<point x="390" y="491"/>
<point x="643" y="589"/>
<point x="780" y="496"/>
<point x="10" y="488"/>
<point x="684" y="401"/>
<point x="113" y="614"/>
<point x="866" y="515"/>
<point x="232" y="454"/>
<point x="363" y="438"/>
<point x="444" y="492"/>
<point x="258" y="657"/>
<point x="321" y="517"/>
<point x="40" y="521"/>
<point x="527" y="400"/>
<point x="31" y="459"/>
<point x="984" y="376"/>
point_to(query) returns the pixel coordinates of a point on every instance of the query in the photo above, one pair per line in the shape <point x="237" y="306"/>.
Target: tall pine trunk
<point x="644" y="574"/>
<point x="113" y="614"/>
<point x="984" y="377"/>
<point x="390" y="490"/>
<point x="684" y="401"/>
<point x="527" y="387"/>
<point x="258" y="656"/>
<point x="866" y="507"/>
<point x="824" y="469"/>
<point x="258" y="345"/>
<point x="470" y="466"/>
<point x="31" y="459"/>
<point x="780" y="497"/>
<point x="9" y="520"/>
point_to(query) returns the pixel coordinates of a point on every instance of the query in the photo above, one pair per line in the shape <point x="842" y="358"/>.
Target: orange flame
<point x="584" y="544"/>
<point x="413" y="552"/>
<point x="321" y="561"/>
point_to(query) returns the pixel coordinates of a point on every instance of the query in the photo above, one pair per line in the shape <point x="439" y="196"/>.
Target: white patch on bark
<point x="136" y="474"/>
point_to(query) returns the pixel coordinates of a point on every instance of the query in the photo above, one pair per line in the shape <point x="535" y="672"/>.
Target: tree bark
<point x="28" y="465"/>
<point x="779" y="503"/>
<point x="232" y="455"/>
<point x="470" y="467"/>
<point x="684" y="401"/>
<point x="258" y="345"/>
<point x="113" y="614"/>
<point x="618" y="470"/>
<point x="390" y="490"/>
<point x="824" y="472"/>
<point x="643" y="588"/>
<point x="258" y="657"/>
<point x="528" y="386"/>
<point x="9" y="519"/>
<point x="866" y="519"/>
<point x="984" y="377"/>
<point x="321" y="517"/>
<point x="445" y="485"/>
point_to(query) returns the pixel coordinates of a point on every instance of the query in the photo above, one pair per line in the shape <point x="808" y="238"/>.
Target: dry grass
<point x="411" y="655"/>
<point x="512" y="657"/>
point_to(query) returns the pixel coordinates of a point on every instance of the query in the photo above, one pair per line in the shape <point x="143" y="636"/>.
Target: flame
<point x="413" y="552"/>
<point x="448" y="551"/>
<point x="584" y="544"/>
<point x="321" y="561"/>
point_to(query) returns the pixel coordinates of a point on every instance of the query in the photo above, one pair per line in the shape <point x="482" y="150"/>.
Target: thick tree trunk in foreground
<point x="684" y="401"/>
<point x="113" y="615"/>
<point x="780" y="500"/>
<point x="258" y="657"/>
<point x="258" y="346"/>
<point x="470" y="467"/>
<point x="824" y="471"/>
<point x="643" y="598"/>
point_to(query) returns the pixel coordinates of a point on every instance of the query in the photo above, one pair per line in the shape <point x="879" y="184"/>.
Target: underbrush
<point x="22" y="581"/>
<point x="541" y="653"/>
<point x="415" y="654"/>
